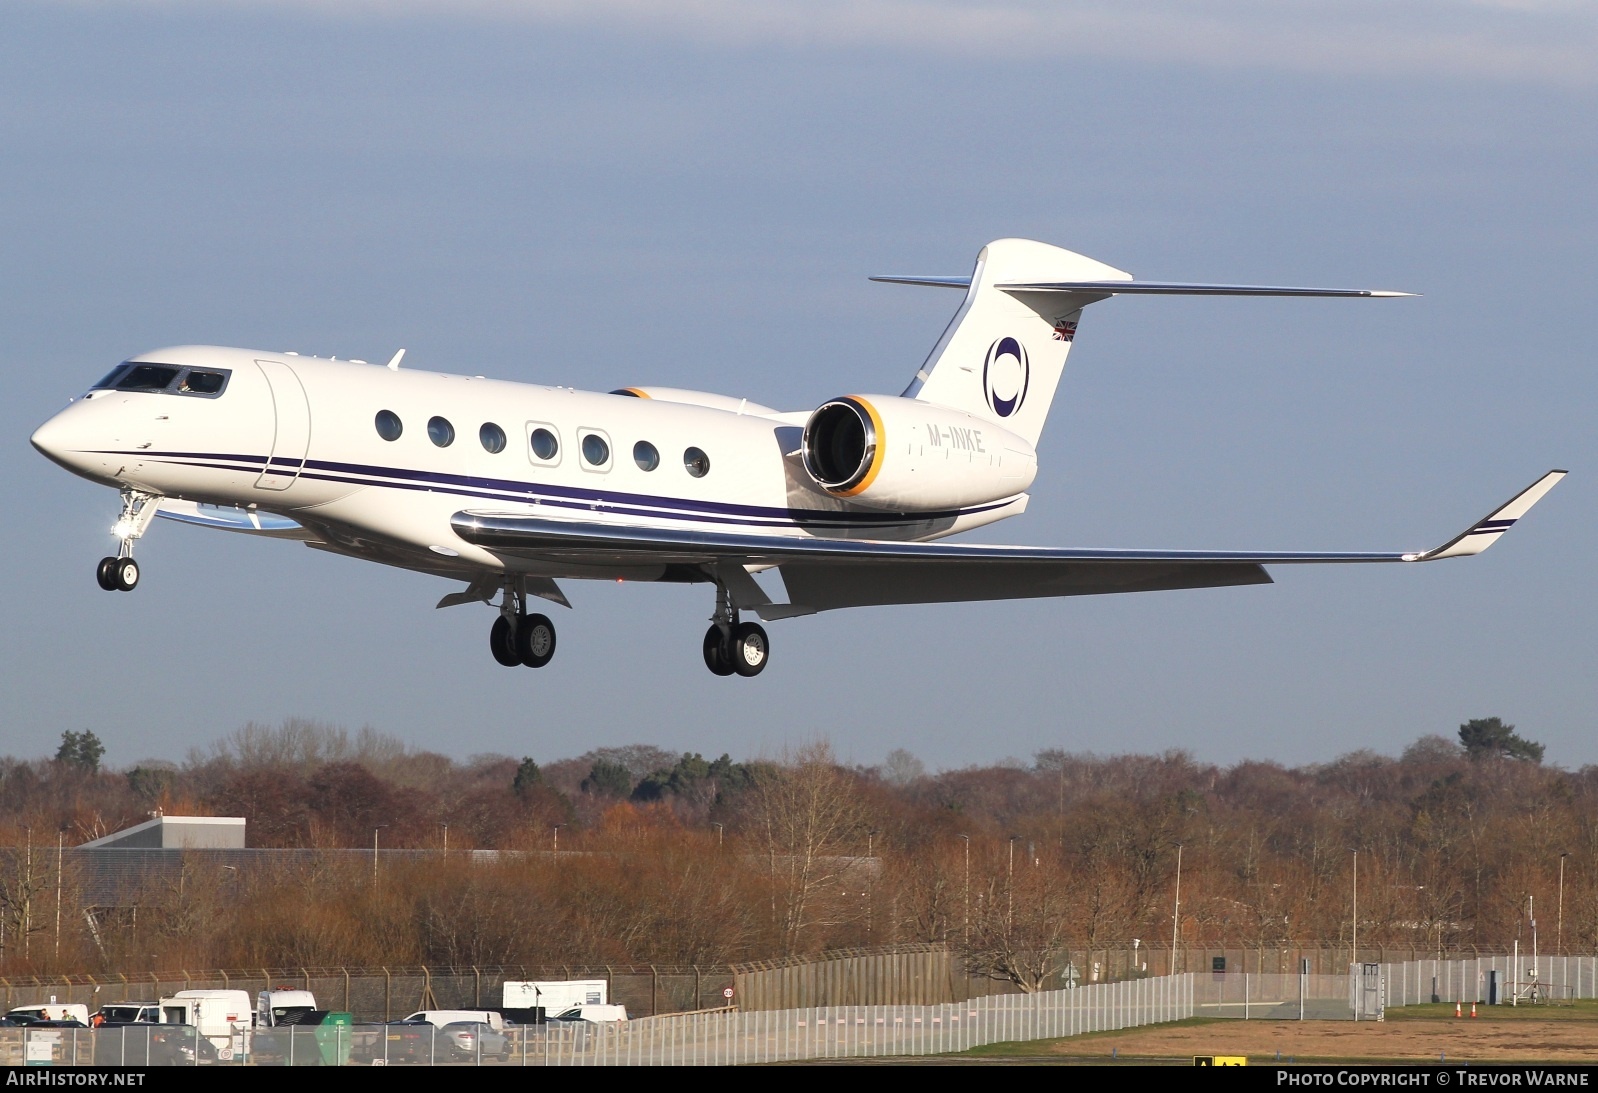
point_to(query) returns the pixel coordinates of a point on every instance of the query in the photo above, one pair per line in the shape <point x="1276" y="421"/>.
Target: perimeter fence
<point x="718" y="1037"/>
<point x="1507" y="979"/>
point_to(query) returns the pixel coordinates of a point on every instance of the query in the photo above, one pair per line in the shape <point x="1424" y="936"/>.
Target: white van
<point x="221" y="1016"/>
<point x="284" y="1006"/>
<point x="491" y="1018"/>
<point x="594" y="1014"/>
<point x="554" y="995"/>
<point x="51" y="1011"/>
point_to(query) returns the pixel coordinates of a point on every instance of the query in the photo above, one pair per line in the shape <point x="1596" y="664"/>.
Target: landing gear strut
<point x="731" y="646"/>
<point x="517" y="637"/>
<point x="121" y="573"/>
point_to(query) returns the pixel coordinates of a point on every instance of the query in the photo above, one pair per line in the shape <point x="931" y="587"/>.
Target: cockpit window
<point x="169" y="378"/>
<point x="201" y="382"/>
<point x="110" y="377"/>
<point x="148" y="377"/>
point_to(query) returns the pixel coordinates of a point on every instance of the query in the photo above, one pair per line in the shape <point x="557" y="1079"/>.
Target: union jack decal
<point x="1064" y="331"/>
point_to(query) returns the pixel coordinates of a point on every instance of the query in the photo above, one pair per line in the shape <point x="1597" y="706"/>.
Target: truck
<point x="222" y="1017"/>
<point x="553" y="995"/>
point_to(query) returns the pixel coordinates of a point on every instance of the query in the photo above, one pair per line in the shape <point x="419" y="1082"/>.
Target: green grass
<point x="1011" y="1048"/>
<point x="1584" y="1010"/>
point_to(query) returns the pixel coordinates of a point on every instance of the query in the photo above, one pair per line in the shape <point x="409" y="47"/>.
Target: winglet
<point x="1485" y="532"/>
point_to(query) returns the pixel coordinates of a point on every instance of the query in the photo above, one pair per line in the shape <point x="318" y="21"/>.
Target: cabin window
<point x="543" y="445"/>
<point x="389" y="426"/>
<point x="440" y="431"/>
<point x="696" y="462"/>
<point x="645" y="455"/>
<point x="596" y="451"/>
<point x="492" y="437"/>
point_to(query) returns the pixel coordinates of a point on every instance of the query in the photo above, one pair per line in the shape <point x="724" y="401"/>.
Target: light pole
<point x="1009" y="884"/>
<point x="375" y="830"/>
<point x="965" y="926"/>
<point x="1560" y="935"/>
<point x="61" y="838"/>
<point x="1356" y="907"/>
<point x="446" y="836"/>
<point x="721" y="831"/>
<point x="557" y="837"/>
<point x="1176" y="907"/>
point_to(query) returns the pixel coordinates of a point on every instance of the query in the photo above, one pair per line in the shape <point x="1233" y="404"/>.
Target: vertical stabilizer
<point x="1002" y="353"/>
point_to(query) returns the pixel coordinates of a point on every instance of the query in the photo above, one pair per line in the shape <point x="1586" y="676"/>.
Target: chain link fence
<point x="717" y="1037"/>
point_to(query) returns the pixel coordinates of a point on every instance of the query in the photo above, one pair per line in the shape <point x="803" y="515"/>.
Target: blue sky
<point x="692" y="195"/>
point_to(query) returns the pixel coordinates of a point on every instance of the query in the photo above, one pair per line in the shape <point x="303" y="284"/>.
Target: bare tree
<point x="813" y="822"/>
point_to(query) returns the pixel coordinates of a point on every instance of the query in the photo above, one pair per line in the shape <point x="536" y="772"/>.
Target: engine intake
<point x="840" y="446"/>
<point x="912" y="456"/>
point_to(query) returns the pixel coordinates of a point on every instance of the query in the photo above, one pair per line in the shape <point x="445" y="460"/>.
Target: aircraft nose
<point x="50" y="438"/>
<point x="63" y="440"/>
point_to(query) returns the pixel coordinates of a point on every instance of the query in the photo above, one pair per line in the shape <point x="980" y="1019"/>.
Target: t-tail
<point x="1002" y="355"/>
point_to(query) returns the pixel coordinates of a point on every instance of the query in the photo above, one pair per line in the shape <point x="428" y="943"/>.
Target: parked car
<point x="129" y="1013"/>
<point x="475" y="1040"/>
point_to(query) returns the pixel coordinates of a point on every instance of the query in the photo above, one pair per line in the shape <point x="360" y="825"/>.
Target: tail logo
<point x="1005" y="375"/>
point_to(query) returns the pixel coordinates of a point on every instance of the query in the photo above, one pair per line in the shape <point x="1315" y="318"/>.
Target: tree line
<point x="677" y="859"/>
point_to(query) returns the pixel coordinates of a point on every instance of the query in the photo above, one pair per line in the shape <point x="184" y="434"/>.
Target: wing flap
<point x="828" y="586"/>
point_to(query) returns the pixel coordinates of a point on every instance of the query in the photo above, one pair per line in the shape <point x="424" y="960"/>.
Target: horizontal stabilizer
<point x="1179" y="288"/>
<point x="1147" y="288"/>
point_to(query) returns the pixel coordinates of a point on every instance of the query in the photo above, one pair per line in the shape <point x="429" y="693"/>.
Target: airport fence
<point x="1508" y="979"/>
<point x="717" y="1037"/>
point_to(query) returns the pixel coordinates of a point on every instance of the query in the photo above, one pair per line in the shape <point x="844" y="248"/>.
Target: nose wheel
<point x="121" y="574"/>
<point x="117" y="574"/>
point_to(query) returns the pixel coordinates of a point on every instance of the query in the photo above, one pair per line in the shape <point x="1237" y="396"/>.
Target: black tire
<point x="502" y="643"/>
<point x="750" y="649"/>
<point x="127" y="574"/>
<point x="535" y="640"/>
<point x="716" y="658"/>
<point x="106" y="574"/>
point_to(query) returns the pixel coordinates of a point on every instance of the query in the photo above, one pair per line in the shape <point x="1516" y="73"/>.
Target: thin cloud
<point x="1524" y="41"/>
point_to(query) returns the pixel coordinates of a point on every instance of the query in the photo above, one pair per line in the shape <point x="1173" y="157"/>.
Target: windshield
<point x="167" y="378"/>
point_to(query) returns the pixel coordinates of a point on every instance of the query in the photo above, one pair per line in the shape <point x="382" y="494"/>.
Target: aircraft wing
<point x="825" y="574"/>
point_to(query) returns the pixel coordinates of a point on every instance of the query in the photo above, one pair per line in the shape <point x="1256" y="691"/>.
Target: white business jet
<point x="512" y="487"/>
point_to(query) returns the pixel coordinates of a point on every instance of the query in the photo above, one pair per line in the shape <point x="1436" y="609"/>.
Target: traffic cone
<point x="1457" y="1012"/>
<point x="1473" y="1009"/>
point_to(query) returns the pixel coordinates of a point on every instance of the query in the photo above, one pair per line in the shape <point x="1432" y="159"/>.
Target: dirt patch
<point x="1462" y="1040"/>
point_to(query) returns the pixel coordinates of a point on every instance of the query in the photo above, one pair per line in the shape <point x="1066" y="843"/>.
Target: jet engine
<point x="910" y="456"/>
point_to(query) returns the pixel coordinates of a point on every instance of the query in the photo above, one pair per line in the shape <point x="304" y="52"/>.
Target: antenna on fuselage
<point x="393" y="363"/>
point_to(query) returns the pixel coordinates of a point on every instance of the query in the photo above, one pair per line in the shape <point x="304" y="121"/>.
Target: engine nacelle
<point x="912" y="456"/>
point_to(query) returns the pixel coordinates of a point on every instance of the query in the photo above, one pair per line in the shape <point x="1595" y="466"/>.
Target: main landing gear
<point x="733" y="647"/>
<point x="517" y="637"/>
<point x="121" y="573"/>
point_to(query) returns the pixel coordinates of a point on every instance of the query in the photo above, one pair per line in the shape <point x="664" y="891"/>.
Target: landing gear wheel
<point x="502" y="643"/>
<point x="535" y="640"/>
<point x="106" y="574"/>
<point x="716" y="658"/>
<point x="749" y="649"/>
<point x="126" y="574"/>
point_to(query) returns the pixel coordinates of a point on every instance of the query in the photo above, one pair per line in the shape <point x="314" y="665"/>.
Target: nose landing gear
<point x="121" y="573"/>
<point x="733" y="647"/>
<point x="517" y="637"/>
